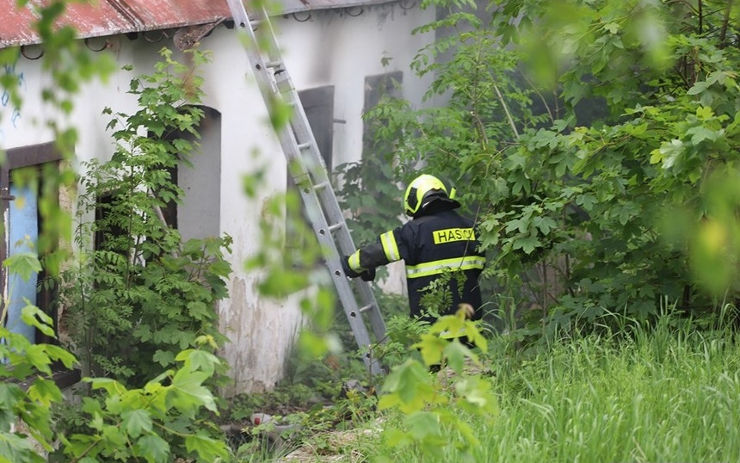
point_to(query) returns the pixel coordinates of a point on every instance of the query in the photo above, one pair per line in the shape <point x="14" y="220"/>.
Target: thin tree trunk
<point x="701" y="17"/>
<point x="725" y="22"/>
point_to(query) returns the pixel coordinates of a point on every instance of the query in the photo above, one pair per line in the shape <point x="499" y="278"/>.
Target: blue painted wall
<point x="23" y="230"/>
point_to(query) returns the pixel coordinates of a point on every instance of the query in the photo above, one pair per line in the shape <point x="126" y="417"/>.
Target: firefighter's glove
<point x="368" y="275"/>
<point x="347" y="269"/>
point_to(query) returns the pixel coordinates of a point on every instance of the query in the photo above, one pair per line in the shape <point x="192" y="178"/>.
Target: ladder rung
<point x="336" y="226"/>
<point x="304" y="146"/>
<point x="256" y="23"/>
<point x="319" y="186"/>
<point x="273" y="64"/>
<point x="366" y="308"/>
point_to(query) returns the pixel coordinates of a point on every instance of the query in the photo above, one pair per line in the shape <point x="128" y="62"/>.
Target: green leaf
<point x="18" y="449"/>
<point x="670" y="151"/>
<point x="24" y="264"/>
<point x="431" y="348"/>
<point x="396" y="438"/>
<point x="521" y="224"/>
<point x="423" y="425"/>
<point x="455" y="353"/>
<point x="10" y="394"/>
<point x="704" y="112"/>
<point x="153" y="448"/>
<point x="199" y="360"/>
<point x="44" y="391"/>
<point x="136" y="421"/>
<point x="164" y="357"/>
<point x="61" y="354"/>
<point x="208" y="449"/>
<point x="526" y="244"/>
<point x="698" y="88"/>
<point x="37" y="356"/>
<point x="586" y="200"/>
<point x="33" y="316"/>
<point x="700" y="133"/>
<point x="111" y="386"/>
<point x="477" y="392"/>
<point x="408" y="387"/>
<point x="188" y="393"/>
<point x="612" y="27"/>
<point x="113" y="436"/>
<point x="545" y="224"/>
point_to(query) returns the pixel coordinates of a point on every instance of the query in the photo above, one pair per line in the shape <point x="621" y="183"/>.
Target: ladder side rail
<point x="377" y="324"/>
<point x="340" y="281"/>
<point x="319" y="175"/>
<point x="342" y="235"/>
<point x="303" y="134"/>
<point x="315" y="202"/>
<point x="259" y="67"/>
<point x="314" y="210"/>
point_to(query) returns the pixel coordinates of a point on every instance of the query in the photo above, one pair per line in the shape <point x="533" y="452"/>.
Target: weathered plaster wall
<point x="330" y="48"/>
<point x="339" y="51"/>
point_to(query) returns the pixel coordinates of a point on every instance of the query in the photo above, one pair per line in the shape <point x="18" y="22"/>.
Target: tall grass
<point x="668" y="393"/>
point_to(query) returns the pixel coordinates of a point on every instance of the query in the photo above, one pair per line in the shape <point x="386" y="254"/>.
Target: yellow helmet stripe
<point x="390" y="247"/>
<point x="445" y="265"/>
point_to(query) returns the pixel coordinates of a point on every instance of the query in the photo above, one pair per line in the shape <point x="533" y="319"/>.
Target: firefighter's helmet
<point x="422" y="190"/>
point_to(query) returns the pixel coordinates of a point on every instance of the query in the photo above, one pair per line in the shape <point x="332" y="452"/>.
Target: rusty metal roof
<point x="110" y="17"/>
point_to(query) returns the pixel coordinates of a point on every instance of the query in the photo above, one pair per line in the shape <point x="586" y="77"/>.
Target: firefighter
<point x="437" y="241"/>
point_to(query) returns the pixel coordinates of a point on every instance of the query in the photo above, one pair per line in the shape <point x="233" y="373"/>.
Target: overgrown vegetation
<point x="169" y="417"/>
<point x="642" y="393"/>
<point x="28" y="405"/>
<point x="598" y="144"/>
<point x="138" y="295"/>
<point x="162" y="421"/>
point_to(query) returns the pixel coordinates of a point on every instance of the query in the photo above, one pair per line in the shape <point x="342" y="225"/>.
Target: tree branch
<point x="542" y="97"/>
<point x="506" y="110"/>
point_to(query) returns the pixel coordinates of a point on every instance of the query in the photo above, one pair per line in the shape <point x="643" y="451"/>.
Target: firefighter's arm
<point x="363" y="262"/>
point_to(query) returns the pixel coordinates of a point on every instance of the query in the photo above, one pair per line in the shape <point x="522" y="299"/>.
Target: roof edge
<point x="289" y="7"/>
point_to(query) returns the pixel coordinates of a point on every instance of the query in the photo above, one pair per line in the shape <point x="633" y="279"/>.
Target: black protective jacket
<point x="438" y="242"/>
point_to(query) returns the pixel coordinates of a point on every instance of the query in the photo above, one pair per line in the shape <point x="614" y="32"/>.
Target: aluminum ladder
<point x="310" y="176"/>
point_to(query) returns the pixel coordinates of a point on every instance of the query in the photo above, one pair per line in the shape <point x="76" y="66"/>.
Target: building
<point x="339" y="53"/>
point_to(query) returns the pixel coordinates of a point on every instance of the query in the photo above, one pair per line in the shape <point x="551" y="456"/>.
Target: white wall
<point x="331" y="48"/>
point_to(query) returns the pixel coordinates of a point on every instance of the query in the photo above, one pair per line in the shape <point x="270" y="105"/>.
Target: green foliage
<point x="159" y="422"/>
<point x="140" y="286"/>
<point x="368" y="189"/>
<point x="645" y="392"/>
<point x="27" y="390"/>
<point x="430" y="405"/>
<point x="112" y="291"/>
<point x="598" y="144"/>
<point x="401" y="333"/>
